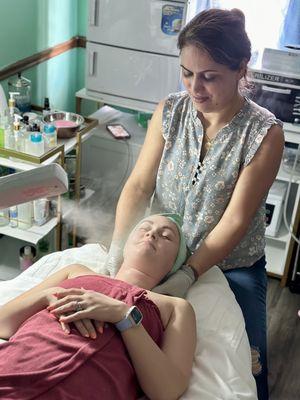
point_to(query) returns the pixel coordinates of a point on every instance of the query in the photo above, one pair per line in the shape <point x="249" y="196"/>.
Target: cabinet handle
<point x="92" y="55"/>
<point x="92" y="12"/>
<point x="276" y="90"/>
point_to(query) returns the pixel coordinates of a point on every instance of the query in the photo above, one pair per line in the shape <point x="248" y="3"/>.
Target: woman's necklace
<point x="208" y="142"/>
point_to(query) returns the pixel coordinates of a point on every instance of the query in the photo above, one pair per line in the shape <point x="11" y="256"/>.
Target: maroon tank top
<point x="41" y="362"/>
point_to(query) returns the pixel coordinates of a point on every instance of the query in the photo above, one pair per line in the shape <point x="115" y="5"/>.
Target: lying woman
<point x="81" y="335"/>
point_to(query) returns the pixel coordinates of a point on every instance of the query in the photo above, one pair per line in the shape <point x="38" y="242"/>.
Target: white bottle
<point x="36" y="144"/>
<point x="3" y="102"/>
<point x="25" y="215"/>
<point x="13" y="217"/>
<point x="18" y="135"/>
<point x="40" y="211"/>
<point x="26" y="257"/>
<point x="9" y="138"/>
<point x="4" y="217"/>
<point x="50" y="136"/>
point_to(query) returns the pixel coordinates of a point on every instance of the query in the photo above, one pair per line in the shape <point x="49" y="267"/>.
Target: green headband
<point x="182" y="250"/>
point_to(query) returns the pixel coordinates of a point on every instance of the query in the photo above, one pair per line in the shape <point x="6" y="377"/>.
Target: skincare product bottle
<point x="25" y="215"/>
<point x="13" y="217"/>
<point x="3" y="101"/>
<point x="9" y="138"/>
<point x="46" y="109"/>
<point x="26" y="257"/>
<point x="18" y="135"/>
<point x="2" y="131"/>
<point x="40" y="211"/>
<point x="4" y="217"/>
<point x="50" y="136"/>
<point x="36" y="145"/>
<point x="12" y="109"/>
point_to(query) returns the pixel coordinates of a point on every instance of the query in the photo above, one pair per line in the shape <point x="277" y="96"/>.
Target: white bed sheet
<point x="222" y="363"/>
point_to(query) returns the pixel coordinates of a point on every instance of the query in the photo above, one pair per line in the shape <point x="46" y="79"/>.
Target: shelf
<point x="285" y="175"/>
<point x="31" y="235"/>
<point x="291" y="133"/>
<point x="47" y="158"/>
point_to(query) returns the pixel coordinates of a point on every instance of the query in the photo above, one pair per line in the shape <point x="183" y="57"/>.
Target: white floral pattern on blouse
<point x="202" y="200"/>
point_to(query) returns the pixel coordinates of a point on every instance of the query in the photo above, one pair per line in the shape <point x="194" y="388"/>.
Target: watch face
<point x="136" y="315"/>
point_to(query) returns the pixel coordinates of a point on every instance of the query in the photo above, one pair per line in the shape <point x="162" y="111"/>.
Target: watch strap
<point x="129" y="321"/>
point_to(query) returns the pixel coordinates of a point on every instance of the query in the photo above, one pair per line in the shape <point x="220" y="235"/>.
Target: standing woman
<point x="211" y="155"/>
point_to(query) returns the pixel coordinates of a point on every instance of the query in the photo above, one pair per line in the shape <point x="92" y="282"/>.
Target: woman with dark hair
<point x="211" y="155"/>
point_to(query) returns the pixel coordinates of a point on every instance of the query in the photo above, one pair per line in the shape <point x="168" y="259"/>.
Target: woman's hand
<point x="79" y="304"/>
<point x="85" y="327"/>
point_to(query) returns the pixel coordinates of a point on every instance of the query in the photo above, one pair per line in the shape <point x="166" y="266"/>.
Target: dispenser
<point x="23" y="87"/>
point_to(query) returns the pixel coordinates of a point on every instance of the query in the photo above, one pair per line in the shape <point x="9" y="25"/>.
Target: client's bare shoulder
<point x="79" y="270"/>
<point x="170" y="306"/>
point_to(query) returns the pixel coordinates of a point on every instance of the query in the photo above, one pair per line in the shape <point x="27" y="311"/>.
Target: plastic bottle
<point x="12" y="109"/>
<point x="50" y="136"/>
<point x="18" y="134"/>
<point x="36" y="144"/>
<point x="13" y="217"/>
<point x="46" y="109"/>
<point x="25" y="215"/>
<point x="3" y="101"/>
<point x="26" y="257"/>
<point x="4" y="217"/>
<point x="9" y="138"/>
<point x="40" y="211"/>
<point x="2" y="131"/>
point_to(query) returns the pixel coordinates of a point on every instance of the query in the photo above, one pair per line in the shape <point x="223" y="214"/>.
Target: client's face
<point x="153" y="246"/>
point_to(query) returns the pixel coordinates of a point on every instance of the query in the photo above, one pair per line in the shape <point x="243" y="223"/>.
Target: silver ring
<point x="78" y="306"/>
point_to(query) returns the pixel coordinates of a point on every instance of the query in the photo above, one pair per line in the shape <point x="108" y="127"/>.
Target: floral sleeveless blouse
<point x="201" y="191"/>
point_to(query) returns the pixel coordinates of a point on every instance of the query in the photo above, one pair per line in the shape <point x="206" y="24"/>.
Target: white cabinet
<point x="132" y="58"/>
<point x="279" y="249"/>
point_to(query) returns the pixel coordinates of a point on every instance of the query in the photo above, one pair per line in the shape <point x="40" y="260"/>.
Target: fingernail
<point x="86" y="335"/>
<point x="100" y="329"/>
<point x="93" y="336"/>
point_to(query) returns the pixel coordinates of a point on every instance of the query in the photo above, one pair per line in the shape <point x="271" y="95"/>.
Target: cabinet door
<point x="147" y="25"/>
<point x="131" y="74"/>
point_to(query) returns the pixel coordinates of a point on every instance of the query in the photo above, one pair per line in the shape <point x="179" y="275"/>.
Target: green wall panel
<point x="35" y="25"/>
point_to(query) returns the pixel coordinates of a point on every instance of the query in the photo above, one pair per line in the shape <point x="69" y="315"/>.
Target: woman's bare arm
<point x="16" y="311"/>
<point x="252" y="185"/>
<point x="140" y="185"/>
<point x="165" y="373"/>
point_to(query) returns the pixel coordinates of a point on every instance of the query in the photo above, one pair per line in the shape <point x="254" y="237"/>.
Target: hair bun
<point x="239" y="15"/>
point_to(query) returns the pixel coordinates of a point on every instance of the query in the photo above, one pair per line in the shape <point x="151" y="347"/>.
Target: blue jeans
<point x="249" y="284"/>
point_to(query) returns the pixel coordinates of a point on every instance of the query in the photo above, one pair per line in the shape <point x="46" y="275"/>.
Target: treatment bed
<point x="222" y="362"/>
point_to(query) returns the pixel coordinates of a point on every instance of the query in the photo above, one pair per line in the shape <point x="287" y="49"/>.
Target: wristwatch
<point x="132" y="318"/>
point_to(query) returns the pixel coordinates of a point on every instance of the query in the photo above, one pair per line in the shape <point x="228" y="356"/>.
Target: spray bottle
<point x="3" y="102"/>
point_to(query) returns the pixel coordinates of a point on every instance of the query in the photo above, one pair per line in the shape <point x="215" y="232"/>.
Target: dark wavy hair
<point x="221" y="33"/>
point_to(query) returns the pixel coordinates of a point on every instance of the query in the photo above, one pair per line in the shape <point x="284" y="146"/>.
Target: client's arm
<point x="163" y="372"/>
<point x="16" y="311"/>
